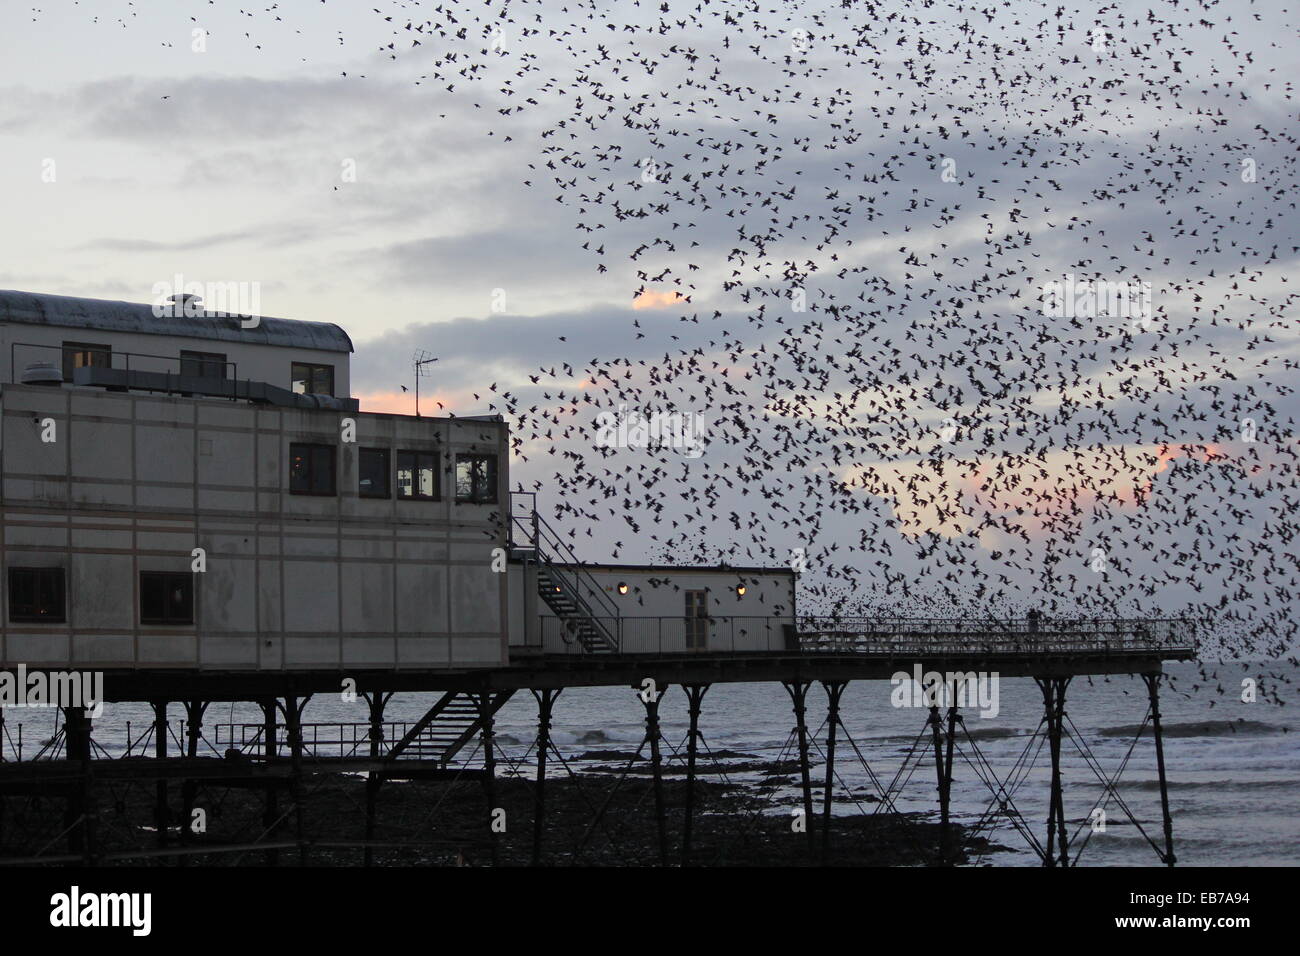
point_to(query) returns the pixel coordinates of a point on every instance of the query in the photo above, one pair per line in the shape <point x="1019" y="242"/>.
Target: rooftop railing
<point x="198" y="374"/>
<point x="23" y="354"/>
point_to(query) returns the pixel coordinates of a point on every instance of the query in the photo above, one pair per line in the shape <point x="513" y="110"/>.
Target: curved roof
<point x="30" y="308"/>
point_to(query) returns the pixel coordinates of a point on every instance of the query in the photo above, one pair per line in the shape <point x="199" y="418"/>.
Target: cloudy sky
<point x="229" y="164"/>
<point x="588" y="206"/>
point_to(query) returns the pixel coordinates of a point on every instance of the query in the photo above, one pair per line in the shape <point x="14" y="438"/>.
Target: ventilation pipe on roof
<point x="42" y="373"/>
<point x="186" y="303"/>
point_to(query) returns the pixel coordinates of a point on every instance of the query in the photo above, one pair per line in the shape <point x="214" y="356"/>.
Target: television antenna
<point x="420" y="359"/>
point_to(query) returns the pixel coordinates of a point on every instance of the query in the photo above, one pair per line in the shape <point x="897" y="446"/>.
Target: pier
<point x="203" y="527"/>
<point x="454" y="739"/>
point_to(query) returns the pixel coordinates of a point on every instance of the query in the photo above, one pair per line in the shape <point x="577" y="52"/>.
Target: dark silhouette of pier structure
<point x="275" y="755"/>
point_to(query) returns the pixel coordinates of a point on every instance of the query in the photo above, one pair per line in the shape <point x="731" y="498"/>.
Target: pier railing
<point x="907" y="636"/>
<point x="329" y="739"/>
<point x="884" y="637"/>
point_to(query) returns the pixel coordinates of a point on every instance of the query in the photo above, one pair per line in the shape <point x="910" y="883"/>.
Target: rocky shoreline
<point x="600" y="815"/>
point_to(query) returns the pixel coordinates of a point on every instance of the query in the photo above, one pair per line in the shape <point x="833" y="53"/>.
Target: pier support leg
<point x="271" y="811"/>
<point x="194" y="711"/>
<point x="1054" y="713"/>
<point x="834" y="690"/>
<point x="953" y="717"/>
<point x="489" y="769"/>
<point x="374" y="780"/>
<point x="937" y="734"/>
<point x="81" y="811"/>
<point x="1061" y="834"/>
<point x="160" y="813"/>
<point x="798" y="691"/>
<point x="694" y="699"/>
<point x="1153" y="690"/>
<point x="943" y="773"/>
<point x="1054" y="747"/>
<point x="293" y="709"/>
<point x="656" y="764"/>
<point x="545" y="704"/>
<point x="2" y="760"/>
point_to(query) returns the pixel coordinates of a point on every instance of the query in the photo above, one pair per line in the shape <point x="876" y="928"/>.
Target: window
<point x="697" y="620"/>
<point x="203" y="364"/>
<point x="417" y="475"/>
<point x="80" y="355"/>
<point x="311" y="469"/>
<point x="476" y="478"/>
<point x="313" y="379"/>
<point x="166" y="597"/>
<point x="36" y="594"/>
<point x="372" y="473"/>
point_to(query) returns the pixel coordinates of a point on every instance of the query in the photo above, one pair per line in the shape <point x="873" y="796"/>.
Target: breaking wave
<point x="1202" y="728"/>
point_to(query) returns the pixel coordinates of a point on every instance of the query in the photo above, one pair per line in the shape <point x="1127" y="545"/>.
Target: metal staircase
<point x="449" y="724"/>
<point x="565" y="586"/>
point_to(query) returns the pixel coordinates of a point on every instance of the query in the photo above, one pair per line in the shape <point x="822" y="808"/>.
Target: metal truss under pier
<point x="278" y="756"/>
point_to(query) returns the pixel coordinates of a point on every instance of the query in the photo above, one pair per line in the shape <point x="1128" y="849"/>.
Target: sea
<point x="1233" y="764"/>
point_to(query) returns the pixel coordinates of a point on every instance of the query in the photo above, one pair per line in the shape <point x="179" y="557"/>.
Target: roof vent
<point x="186" y="303"/>
<point x="42" y="373"/>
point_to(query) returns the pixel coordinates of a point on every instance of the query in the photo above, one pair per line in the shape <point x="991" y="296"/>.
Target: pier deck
<point x="831" y="652"/>
<point x="817" y="649"/>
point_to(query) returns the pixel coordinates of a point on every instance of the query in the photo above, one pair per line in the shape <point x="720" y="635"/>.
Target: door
<point x="697" y="623"/>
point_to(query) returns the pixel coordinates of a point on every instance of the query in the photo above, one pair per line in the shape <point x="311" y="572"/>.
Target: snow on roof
<point x="30" y="308"/>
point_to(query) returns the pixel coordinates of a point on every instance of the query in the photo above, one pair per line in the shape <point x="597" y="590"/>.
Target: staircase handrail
<point x="570" y="566"/>
<point x="552" y="553"/>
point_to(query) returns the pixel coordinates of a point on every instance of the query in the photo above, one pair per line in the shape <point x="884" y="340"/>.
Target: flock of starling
<point x="845" y="215"/>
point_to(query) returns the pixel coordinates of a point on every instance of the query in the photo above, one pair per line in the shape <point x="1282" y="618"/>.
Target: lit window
<point x="476" y="478"/>
<point x="36" y="595"/>
<point x="417" y="475"/>
<point x="309" y="379"/>
<point x="80" y="355"/>
<point x="311" y="469"/>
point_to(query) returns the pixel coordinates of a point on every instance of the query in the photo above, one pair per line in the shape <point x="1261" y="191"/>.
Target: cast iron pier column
<point x="545" y="703"/>
<point x="834" y="690"/>
<point x="798" y="691"/>
<point x="1153" y="689"/>
<point x="694" y="698"/>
